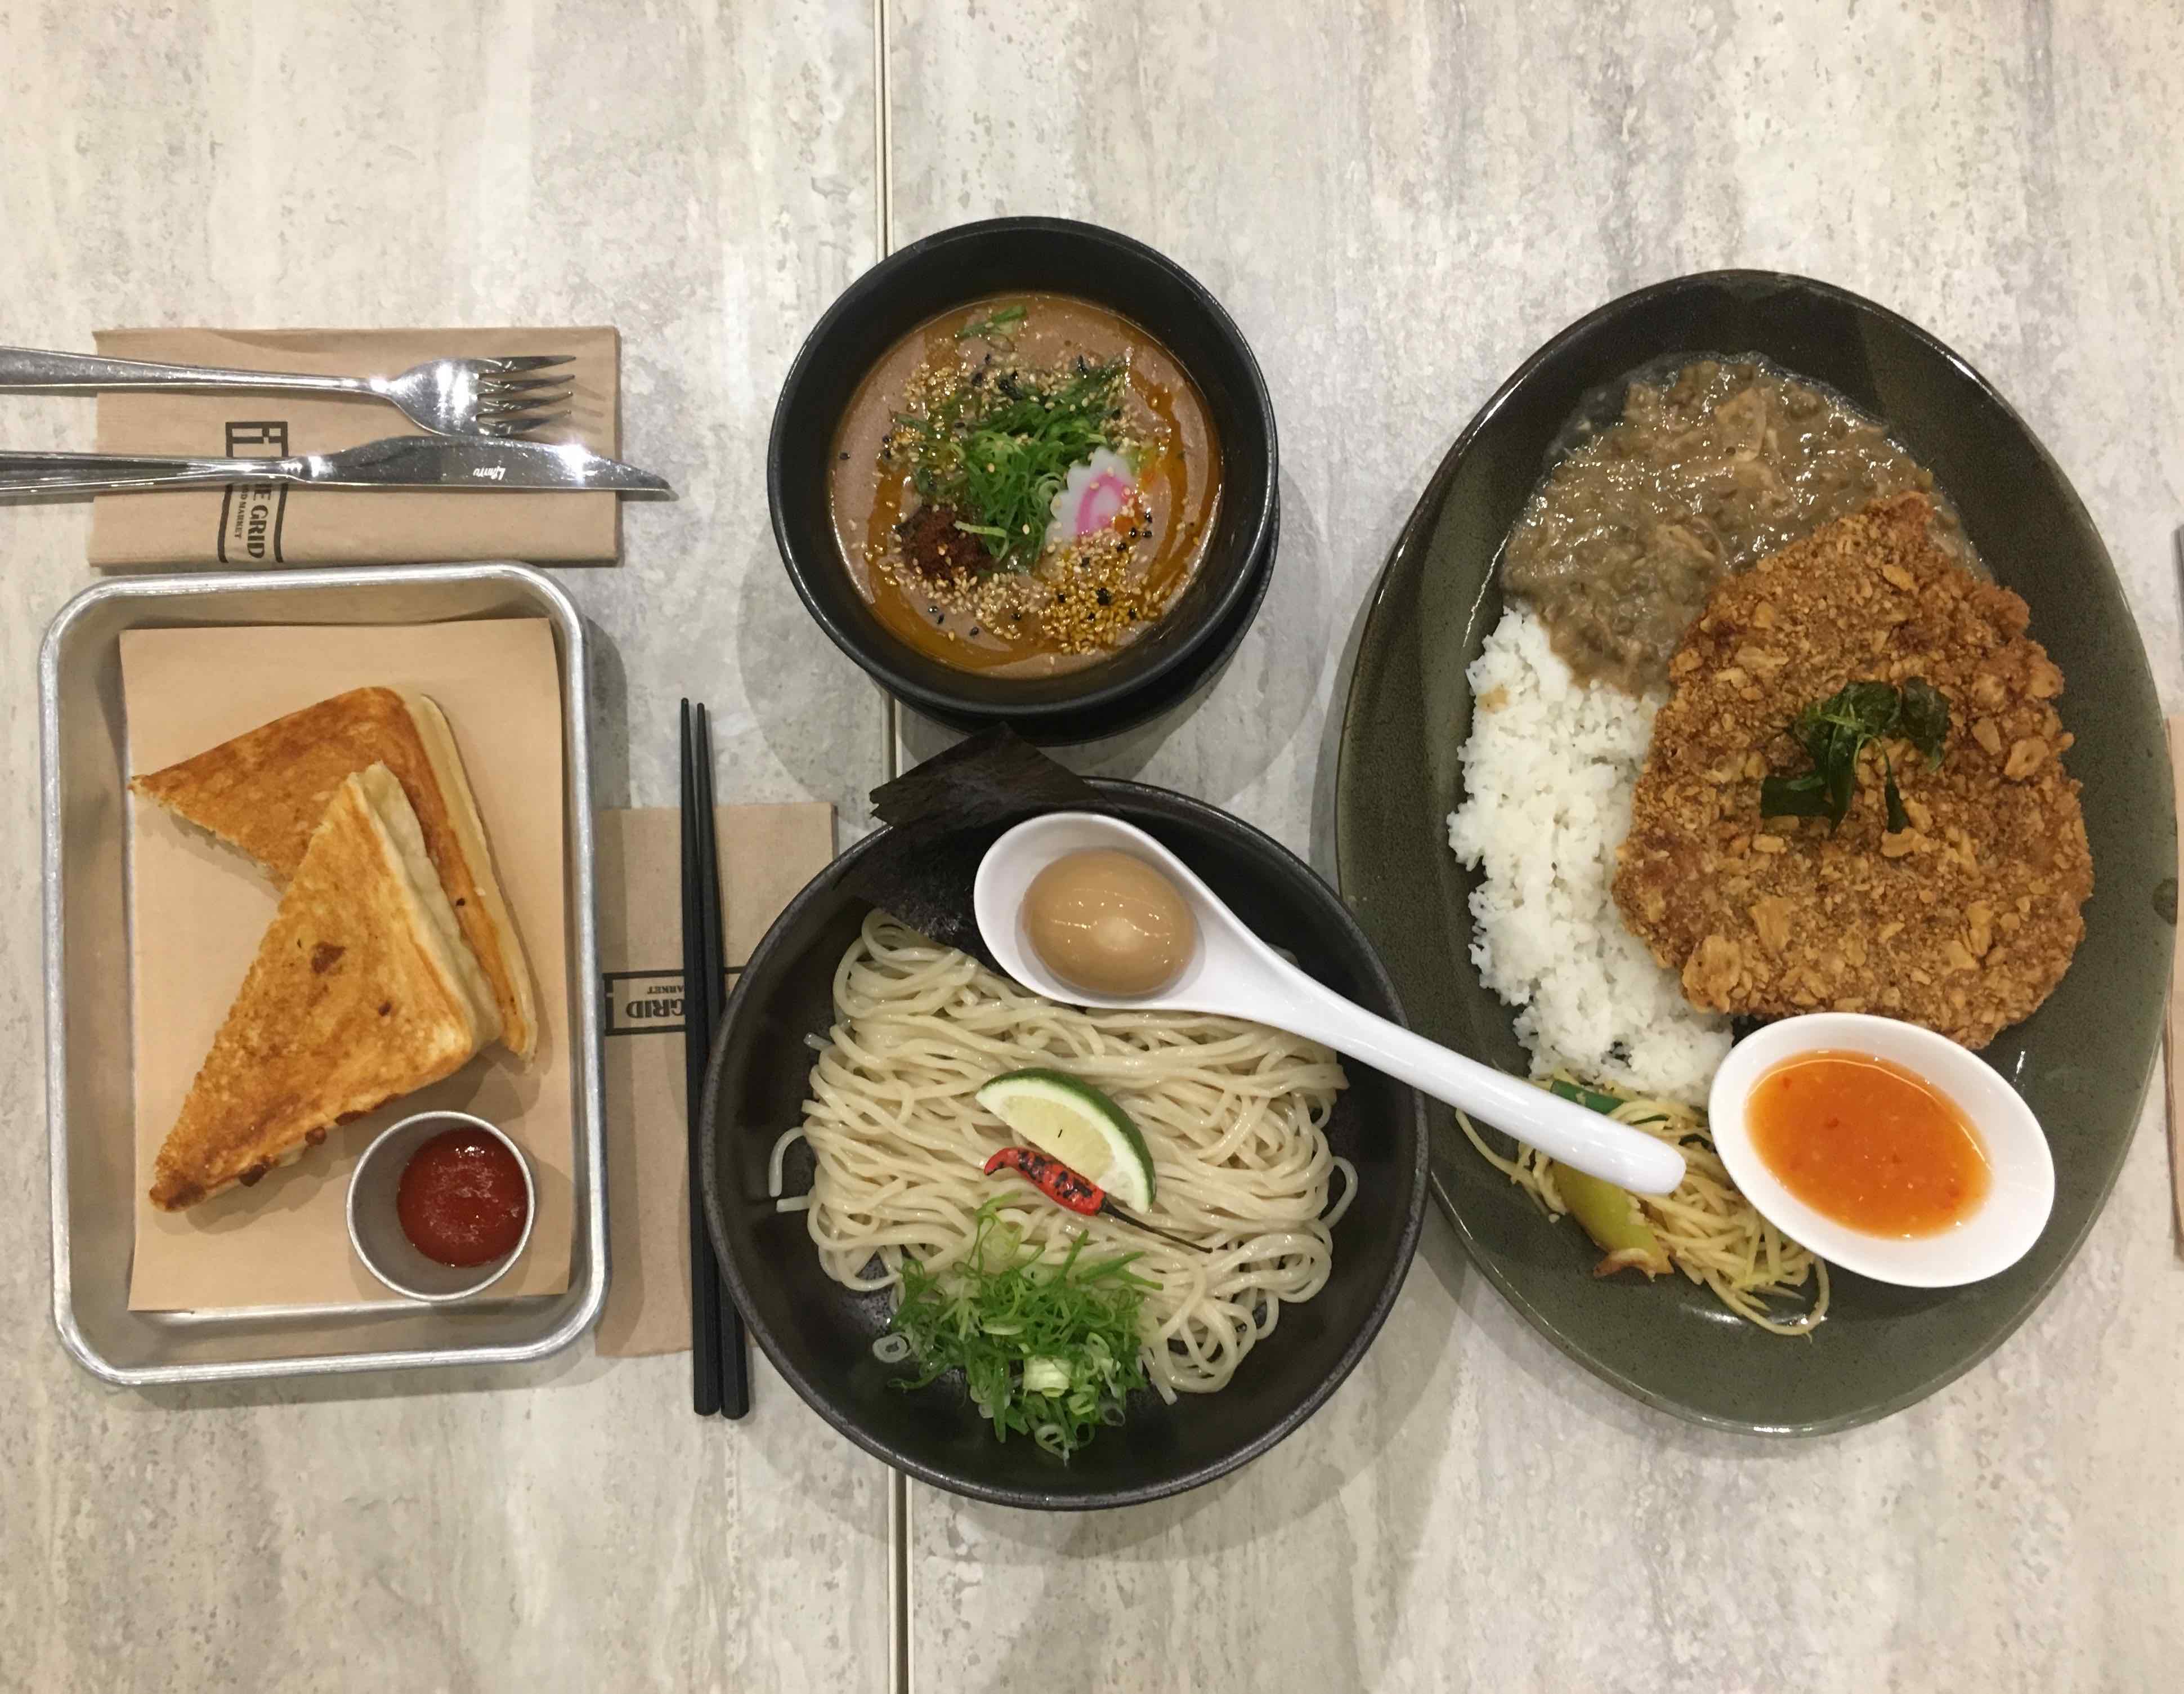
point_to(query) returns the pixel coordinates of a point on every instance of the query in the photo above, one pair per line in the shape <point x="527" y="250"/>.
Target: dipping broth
<point x="1023" y="485"/>
<point x="1867" y="1143"/>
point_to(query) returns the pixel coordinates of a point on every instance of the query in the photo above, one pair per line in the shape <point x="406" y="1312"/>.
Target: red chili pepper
<point x="1053" y="1179"/>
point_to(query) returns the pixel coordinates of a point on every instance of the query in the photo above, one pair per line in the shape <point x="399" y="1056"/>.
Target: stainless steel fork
<point x="496" y="397"/>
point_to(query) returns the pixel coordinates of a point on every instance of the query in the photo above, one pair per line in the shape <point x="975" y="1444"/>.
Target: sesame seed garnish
<point x="1084" y="597"/>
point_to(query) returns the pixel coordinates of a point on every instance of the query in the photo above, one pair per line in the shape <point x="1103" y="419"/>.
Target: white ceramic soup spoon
<point x="1232" y="974"/>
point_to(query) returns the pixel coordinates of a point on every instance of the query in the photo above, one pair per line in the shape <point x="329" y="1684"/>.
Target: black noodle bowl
<point x="819" y="1335"/>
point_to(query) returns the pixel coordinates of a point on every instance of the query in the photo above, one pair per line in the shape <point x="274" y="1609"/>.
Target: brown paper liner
<point x="198" y="909"/>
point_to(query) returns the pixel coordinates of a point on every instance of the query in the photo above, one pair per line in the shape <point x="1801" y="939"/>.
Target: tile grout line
<point x="882" y="245"/>
<point x="898" y="1507"/>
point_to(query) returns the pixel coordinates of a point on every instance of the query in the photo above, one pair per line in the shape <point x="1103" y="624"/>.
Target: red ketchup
<point x="461" y="1200"/>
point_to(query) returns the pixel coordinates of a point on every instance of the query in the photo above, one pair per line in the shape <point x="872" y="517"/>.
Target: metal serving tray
<point x="89" y="1053"/>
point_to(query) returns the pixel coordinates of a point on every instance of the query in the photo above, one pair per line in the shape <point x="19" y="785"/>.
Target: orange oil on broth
<point x="1868" y="1144"/>
<point x="1179" y="484"/>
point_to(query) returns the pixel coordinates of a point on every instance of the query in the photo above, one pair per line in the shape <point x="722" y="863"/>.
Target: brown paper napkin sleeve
<point x="767" y="853"/>
<point x="264" y="524"/>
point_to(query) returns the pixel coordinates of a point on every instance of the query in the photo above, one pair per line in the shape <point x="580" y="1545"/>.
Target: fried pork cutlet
<point x="1965" y="921"/>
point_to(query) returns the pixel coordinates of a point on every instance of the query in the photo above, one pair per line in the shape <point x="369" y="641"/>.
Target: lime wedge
<point x="1073" y="1121"/>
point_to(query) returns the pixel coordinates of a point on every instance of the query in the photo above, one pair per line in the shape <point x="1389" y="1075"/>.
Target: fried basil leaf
<point x="1924" y="720"/>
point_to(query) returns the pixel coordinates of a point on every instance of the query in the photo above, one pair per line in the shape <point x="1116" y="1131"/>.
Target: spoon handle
<point x="1564" y="1131"/>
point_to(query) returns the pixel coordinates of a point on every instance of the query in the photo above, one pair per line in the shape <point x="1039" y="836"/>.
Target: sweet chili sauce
<point x="461" y="1199"/>
<point x="1868" y="1144"/>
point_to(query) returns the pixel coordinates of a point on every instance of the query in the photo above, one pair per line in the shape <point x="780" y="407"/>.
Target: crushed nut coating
<point x="1965" y="921"/>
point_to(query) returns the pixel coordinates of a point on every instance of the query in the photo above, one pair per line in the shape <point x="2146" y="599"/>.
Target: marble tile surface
<point x="1397" y="202"/>
<point x="705" y="176"/>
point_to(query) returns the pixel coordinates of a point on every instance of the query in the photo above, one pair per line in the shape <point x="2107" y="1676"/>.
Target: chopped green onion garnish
<point x="1048" y="1348"/>
<point x="987" y="326"/>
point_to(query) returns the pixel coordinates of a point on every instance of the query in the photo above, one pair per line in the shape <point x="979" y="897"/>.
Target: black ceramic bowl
<point x="1126" y="276"/>
<point x="820" y="1334"/>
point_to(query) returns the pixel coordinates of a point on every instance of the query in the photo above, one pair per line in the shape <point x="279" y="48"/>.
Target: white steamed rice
<point x="1548" y="775"/>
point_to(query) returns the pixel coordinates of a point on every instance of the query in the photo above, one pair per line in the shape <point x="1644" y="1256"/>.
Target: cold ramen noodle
<point x="1023" y="485"/>
<point x="1755" y="736"/>
<point x="1054" y="1315"/>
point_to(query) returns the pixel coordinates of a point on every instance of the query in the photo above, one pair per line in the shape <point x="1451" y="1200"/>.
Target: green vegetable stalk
<point x="1617" y="1224"/>
<point x="1611" y="1215"/>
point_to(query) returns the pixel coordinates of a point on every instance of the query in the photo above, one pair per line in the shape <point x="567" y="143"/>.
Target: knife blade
<point x="402" y="461"/>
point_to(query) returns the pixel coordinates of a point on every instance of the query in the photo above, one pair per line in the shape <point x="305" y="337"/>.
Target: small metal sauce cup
<point x="375" y="1229"/>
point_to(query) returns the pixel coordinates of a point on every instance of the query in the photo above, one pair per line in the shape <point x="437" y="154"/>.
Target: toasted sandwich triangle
<point x="265" y="791"/>
<point x="363" y="990"/>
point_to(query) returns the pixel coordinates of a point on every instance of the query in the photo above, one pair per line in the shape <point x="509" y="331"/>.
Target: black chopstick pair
<point x="719" y="1366"/>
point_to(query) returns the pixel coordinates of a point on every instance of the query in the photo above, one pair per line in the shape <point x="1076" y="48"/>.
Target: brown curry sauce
<point x="1707" y="471"/>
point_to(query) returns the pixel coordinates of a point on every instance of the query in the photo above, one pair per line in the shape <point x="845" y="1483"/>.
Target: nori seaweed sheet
<point x="945" y="813"/>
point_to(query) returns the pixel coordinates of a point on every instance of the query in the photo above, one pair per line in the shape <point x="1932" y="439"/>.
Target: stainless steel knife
<point x="402" y="461"/>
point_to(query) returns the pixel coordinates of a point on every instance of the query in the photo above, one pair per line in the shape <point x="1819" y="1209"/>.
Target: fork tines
<point x="513" y="402"/>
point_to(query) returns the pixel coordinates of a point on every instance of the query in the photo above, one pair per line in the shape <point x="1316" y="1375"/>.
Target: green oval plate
<point x="2082" y="1062"/>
